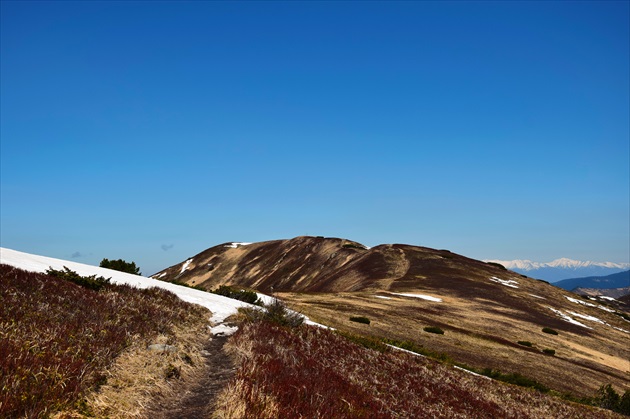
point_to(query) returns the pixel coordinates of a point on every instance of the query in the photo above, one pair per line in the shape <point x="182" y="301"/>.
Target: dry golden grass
<point x="140" y="378"/>
<point x="484" y="334"/>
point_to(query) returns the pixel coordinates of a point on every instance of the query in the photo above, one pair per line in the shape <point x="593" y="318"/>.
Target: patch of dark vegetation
<point x="549" y="330"/>
<point x="184" y="284"/>
<point x="623" y="315"/>
<point x="352" y="246"/>
<point x="275" y="312"/>
<point x="608" y="398"/>
<point x="58" y="336"/>
<point x="525" y="343"/>
<point x="121" y="265"/>
<point x="514" y="378"/>
<point x="238" y="294"/>
<point x="360" y="319"/>
<point x="549" y="352"/>
<point x="434" y="329"/>
<point x="90" y="282"/>
<point x="497" y="265"/>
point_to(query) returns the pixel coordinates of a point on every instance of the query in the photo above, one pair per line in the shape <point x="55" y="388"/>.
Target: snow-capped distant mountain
<point x="562" y="268"/>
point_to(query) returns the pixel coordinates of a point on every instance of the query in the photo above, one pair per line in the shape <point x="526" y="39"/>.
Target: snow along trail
<point x="221" y="307"/>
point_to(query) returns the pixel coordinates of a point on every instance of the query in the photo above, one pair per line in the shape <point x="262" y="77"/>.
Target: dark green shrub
<point x="121" y="265"/>
<point x="276" y="312"/>
<point x="515" y="378"/>
<point x="237" y="294"/>
<point x="360" y="319"/>
<point x="91" y="282"/>
<point x="525" y="343"/>
<point x="549" y="351"/>
<point x="608" y="398"/>
<point x="549" y="330"/>
<point x="434" y="329"/>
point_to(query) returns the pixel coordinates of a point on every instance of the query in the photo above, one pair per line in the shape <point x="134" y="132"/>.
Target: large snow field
<point x="221" y="307"/>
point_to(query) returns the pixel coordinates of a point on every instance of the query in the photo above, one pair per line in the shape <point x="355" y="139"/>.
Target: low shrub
<point x="434" y="329"/>
<point x="549" y="351"/>
<point x="608" y="398"/>
<point x="360" y="319"/>
<point x="237" y="294"/>
<point x="525" y="343"/>
<point x="91" y="282"/>
<point x="549" y="330"/>
<point x="276" y="312"/>
<point x="515" y="378"/>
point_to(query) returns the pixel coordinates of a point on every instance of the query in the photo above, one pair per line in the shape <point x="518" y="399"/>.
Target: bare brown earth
<point x="484" y="310"/>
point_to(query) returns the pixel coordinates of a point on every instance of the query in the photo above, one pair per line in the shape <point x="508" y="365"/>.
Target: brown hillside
<point x="317" y="264"/>
<point x="484" y="309"/>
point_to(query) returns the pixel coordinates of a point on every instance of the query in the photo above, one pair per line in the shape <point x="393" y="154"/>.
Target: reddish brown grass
<point x="57" y="338"/>
<point x="316" y="373"/>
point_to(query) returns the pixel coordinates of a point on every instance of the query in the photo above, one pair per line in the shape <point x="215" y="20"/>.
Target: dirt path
<point x="197" y="400"/>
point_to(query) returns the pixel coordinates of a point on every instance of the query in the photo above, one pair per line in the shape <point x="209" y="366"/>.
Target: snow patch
<point x="383" y="297"/>
<point x="508" y="283"/>
<point x="223" y="330"/>
<point x="221" y="307"/>
<point x="234" y="245"/>
<point x="471" y="372"/>
<point x="586" y="317"/>
<point x="405" y="350"/>
<point x="568" y="318"/>
<point x="575" y="300"/>
<point x="620" y="329"/>
<point x="185" y="266"/>
<point x="538" y="296"/>
<point x="421" y="296"/>
<point x="605" y="297"/>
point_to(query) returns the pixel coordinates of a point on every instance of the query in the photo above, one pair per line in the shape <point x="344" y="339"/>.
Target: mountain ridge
<point x="562" y="268"/>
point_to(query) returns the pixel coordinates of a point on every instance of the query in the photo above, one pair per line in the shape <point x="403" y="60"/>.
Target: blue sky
<point x="150" y="131"/>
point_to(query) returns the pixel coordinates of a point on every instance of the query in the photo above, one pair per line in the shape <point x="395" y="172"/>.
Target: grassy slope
<point x="312" y="372"/>
<point x="59" y="341"/>
<point x="331" y="280"/>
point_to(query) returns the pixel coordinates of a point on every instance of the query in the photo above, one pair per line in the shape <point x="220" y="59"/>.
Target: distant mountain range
<point x="563" y="268"/>
<point x="618" y="280"/>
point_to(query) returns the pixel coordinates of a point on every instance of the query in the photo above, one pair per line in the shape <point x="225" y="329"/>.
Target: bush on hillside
<point x="276" y="312"/>
<point x="549" y="352"/>
<point x="515" y="378"/>
<point x="525" y="343"/>
<point x="120" y="265"/>
<point x="238" y="294"/>
<point x="91" y="282"/>
<point x="608" y="398"/>
<point x="360" y="319"/>
<point x="549" y="330"/>
<point x="434" y="329"/>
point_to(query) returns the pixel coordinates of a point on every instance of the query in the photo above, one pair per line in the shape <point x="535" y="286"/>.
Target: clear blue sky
<point x="150" y="131"/>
